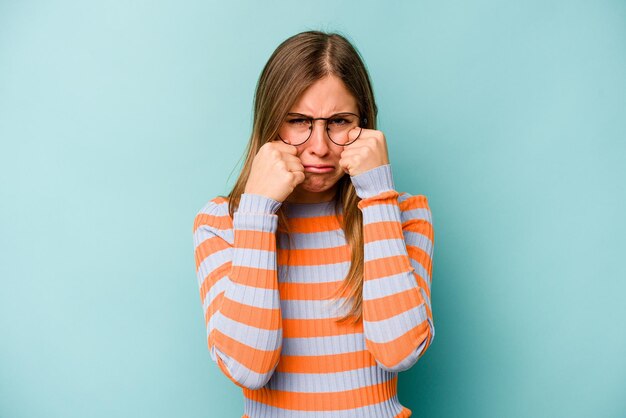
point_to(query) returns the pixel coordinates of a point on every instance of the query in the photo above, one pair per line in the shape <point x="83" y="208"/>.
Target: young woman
<point x="314" y="272"/>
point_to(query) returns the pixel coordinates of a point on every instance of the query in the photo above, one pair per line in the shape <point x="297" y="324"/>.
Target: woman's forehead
<point x="326" y="96"/>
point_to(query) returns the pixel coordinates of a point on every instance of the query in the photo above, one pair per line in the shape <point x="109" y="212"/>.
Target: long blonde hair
<point x="297" y="63"/>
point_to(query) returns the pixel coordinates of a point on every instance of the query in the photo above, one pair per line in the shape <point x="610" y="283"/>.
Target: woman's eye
<point x="338" y="121"/>
<point x="297" y="121"/>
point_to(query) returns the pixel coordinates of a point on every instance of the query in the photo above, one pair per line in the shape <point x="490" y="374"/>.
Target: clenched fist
<point x="369" y="152"/>
<point x="276" y="171"/>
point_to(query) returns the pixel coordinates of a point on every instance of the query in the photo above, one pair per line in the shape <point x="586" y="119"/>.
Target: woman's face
<point x="324" y="98"/>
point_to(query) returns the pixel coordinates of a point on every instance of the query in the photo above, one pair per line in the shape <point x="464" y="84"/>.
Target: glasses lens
<point x="340" y="125"/>
<point x="295" y="130"/>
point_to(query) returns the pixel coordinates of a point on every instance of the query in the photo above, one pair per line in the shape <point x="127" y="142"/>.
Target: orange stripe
<point x="419" y="226"/>
<point x="255" y="277"/>
<point x="309" y="291"/>
<point x="208" y="247"/>
<point x="382" y="230"/>
<point x="222" y="222"/>
<point x="392" y="352"/>
<point x="314" y="256"/>
<point x="315" y="224"/>
<point x="300" y="328"/>
<point x="423" y="258"/>
<point x="244" y="354"/>
<point x="256" y="240"/>
<point x="386" y="198"/>
<point x="332" y="363"/>
<point x="422" y="283"/>
<point x="419" y="255"/>
<point x="326" y="401"/>
<point x="387" y="266"/>
<point x="251" y="277"/>
<point x="388" y="306"/>
<point x="213" y="307"/>
<point x="213" y="276"/>
<point x="414" y="202"/>
<point x="268" y="319"/>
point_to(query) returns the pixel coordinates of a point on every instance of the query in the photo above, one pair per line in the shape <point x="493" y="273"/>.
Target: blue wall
<point x="119" y="120"/>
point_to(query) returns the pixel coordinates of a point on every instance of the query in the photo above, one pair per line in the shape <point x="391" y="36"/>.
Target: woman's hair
<point x="295" y="65"/>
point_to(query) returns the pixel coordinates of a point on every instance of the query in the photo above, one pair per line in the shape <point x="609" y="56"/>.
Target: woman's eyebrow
<point x="309" y="116"/>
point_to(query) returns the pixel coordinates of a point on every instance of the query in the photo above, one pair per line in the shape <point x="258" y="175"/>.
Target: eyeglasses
<point x="297" y="128"/>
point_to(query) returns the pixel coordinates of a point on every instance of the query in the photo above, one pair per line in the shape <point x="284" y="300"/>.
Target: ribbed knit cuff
<point x="255" y="203"/>
<point x="255" y="213"/>
<point x="374" y="181"/>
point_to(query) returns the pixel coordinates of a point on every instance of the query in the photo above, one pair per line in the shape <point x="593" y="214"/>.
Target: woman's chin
<point x="315" y="186"/>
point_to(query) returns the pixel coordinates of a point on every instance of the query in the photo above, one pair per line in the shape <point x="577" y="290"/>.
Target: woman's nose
<point x="319" y="138"/>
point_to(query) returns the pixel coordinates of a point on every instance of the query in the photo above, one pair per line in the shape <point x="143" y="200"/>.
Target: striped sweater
<point x="272" y="330"/>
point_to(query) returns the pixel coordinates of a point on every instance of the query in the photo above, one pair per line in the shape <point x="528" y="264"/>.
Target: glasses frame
<point x="363" y="121"/>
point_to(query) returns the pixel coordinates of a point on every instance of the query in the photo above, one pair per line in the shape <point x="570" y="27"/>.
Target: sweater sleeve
<point x="237" y="276"/>
<point x="398" y="250"/>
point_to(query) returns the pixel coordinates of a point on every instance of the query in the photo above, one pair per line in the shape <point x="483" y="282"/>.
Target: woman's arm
<point x="398" y="250"/>
<point x="239" y="287"/>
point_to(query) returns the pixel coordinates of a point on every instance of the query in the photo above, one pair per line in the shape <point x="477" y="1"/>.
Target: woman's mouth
<point x="318" y="168"/>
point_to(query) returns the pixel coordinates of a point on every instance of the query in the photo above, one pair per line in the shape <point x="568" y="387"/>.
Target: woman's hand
<point x="276" y="171"/>
<point x="370" y="151"/>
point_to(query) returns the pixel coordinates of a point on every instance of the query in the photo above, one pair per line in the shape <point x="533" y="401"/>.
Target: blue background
<point x="119" y="120"/>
